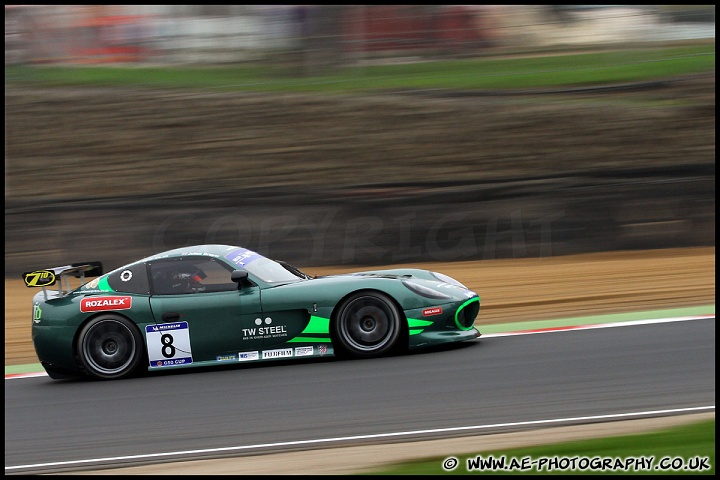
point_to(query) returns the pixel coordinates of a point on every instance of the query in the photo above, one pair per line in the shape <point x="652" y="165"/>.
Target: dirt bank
<point x="99" y="142"/>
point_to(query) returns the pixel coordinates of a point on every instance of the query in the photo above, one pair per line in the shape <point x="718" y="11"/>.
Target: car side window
<point x="132" y="279"/>
<point x="189" y="275"/>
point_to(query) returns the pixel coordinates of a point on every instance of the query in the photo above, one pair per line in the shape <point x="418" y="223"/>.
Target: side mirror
<point x="240" y="277"/>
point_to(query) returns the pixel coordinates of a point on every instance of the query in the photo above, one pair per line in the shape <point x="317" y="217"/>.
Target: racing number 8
<point x="168" y="350"/>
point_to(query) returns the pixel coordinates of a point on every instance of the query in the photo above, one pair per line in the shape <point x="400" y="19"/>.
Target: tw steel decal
<point x="432" y="311"/>
<point x="97" y="304"/>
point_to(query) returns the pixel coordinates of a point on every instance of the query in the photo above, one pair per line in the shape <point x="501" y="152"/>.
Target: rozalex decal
<point x="96" y="304"/>
<point x="432" y="311"/>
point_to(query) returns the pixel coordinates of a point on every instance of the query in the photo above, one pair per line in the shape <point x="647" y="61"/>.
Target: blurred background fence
<point x="316" y="37"/>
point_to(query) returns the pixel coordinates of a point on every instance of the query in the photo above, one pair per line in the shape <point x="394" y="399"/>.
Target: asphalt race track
<point x="491" y="381"/>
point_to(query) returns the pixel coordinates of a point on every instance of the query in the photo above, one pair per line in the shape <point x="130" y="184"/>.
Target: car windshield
<point x="270" y="271"/>
<point x="263" y="268"/>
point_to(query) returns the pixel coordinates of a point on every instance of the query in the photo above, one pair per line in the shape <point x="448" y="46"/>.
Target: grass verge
<point x="484" y="73"/>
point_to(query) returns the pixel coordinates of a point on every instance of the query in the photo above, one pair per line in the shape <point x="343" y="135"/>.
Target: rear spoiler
<point x="48" y="276"/>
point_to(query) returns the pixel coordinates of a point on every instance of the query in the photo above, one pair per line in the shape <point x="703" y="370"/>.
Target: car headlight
<point x="425" y="291"/>
<point x="444" y="278"/>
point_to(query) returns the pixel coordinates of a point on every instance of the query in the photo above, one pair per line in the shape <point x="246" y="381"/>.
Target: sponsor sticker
<point x="242" y="256"/>
<point x="256" y="333"/>
<point x="248" y="356"/>
<point x="280" y="353"/>
<point x="39" y="278"/>
<point x="96" y="304"/>
<point x="304" y="351"/>
<point x="432" y="311"/>
<point x="226" y="358"/>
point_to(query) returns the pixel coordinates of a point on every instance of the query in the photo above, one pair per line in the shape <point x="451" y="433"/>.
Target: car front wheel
<point x="367" y="325"/>
<point x="110" y="347"/>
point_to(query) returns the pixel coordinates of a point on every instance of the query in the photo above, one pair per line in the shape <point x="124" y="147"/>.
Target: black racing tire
<point x="367" y="324"/>
<point x="110" y="347"/>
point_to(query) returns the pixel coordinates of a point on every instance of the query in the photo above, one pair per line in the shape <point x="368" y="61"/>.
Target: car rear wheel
<point x="367" y="325"/>
<point x="110" y="347"/>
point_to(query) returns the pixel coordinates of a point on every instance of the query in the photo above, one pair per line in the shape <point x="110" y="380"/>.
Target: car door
<point x="284" y="317"/>
<point x="200" y="314"/>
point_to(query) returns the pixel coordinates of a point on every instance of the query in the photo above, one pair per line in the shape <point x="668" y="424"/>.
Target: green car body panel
<point x="219" y="304"/>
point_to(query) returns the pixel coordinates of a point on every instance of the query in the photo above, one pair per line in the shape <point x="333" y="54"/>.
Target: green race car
<point x="218" y="304"/>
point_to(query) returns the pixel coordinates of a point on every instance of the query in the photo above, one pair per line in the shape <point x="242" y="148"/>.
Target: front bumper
<point x="449" y="322"/>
